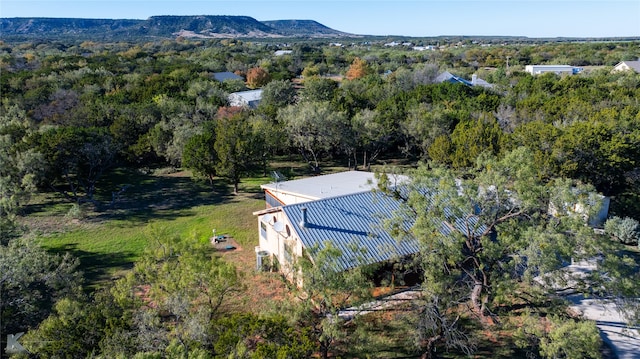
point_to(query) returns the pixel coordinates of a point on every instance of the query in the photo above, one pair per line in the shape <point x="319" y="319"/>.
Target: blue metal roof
<point x="449" y="77"/>
<point x="455" y="79"/>
<point x="224" y="76"/>
<point x="355" y="224"/>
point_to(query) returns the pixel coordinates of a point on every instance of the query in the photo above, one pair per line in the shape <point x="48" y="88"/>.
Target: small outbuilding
<point x="556" y="69"/>
<point x="250" y="99"/>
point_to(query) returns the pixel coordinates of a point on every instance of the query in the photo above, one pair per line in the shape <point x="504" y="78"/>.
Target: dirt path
<point x="263" y="289"/>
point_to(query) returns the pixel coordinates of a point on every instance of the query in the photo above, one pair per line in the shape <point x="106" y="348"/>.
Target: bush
<point x="625" y="230"/>
<point x="75" y="212"/>
<point x="572" y="340"/>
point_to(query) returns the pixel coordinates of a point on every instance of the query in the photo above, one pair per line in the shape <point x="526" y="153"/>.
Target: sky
<point x="531" y="18"/>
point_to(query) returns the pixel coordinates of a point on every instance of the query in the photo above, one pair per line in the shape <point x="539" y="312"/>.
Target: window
<point x="272" y="201"/>
<point x="263" y="230"/>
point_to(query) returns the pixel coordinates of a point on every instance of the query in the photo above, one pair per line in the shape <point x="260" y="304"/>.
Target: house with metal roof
<point x="449" y="77"/>
<point x="475" y="81"/>
<point x="340" y="208"/>
<point x="344" y="211"/>
<point x="250" y="99"/>
<point x="353" y="223"/>
<point x="627" y="66"/>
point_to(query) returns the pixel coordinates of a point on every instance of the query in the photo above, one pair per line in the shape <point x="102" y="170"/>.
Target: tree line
<point x="142" y="105"/>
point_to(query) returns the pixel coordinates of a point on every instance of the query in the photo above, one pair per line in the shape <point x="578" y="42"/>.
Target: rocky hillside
<point x="307" y="28"/>
<point x="208" y="26"/>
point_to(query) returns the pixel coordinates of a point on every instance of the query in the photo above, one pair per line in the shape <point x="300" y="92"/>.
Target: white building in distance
<point x="250" y="99"/>
<point x="627" y="66"/>
<point x="556" y="69"/>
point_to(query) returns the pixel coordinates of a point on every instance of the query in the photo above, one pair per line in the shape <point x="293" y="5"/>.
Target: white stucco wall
<point x="274" y="237"/>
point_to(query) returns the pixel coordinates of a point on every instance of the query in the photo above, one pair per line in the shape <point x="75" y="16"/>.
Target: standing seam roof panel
<point x="348" y="221"/>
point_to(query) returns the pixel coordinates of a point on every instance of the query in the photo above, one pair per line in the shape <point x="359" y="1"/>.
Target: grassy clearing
<point x="110" y="239"/>
<point x="110" y="247"/>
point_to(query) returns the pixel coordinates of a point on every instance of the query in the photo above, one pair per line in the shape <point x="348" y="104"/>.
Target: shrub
<point x="625" y="230"/>
<point x="572" y="340"/>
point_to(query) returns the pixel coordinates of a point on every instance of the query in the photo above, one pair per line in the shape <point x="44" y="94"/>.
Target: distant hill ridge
<point x="200" y="26"/>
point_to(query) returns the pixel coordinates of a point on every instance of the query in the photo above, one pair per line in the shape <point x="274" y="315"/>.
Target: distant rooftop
<point x="282" y="52"/>
<point x="630" y="65"/>
<point x="475" y="81"/>
<point x="249" y="95"/>
<point x="553" y="66"/>
<point x="223" y="76"/>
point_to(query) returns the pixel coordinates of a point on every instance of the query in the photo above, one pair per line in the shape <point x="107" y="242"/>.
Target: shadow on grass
<point x="46" y="203"/>
<point x="161" y="197"/>
<point x="127" y="194"/>
<point x="124" y="198"/>
<point x="98" y="267"/>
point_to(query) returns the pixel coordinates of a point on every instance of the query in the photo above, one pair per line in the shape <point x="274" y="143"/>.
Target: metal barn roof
<point x="355" y="224"/>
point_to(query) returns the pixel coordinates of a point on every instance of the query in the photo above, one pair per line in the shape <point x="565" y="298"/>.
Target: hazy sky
<point x="532" y="18"/>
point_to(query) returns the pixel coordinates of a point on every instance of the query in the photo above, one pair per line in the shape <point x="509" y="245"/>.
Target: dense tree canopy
<point x="199" y="154"/>
<point x="31" y="281"/>
<point x="21" y="169"/>
<point x="72" y="112"/>
<point x="493" y="226"/>
<point x="314" y="128"/>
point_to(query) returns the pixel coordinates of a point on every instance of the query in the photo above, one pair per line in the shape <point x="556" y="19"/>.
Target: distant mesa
<point x="309" y="28"/>
<point x="201" y="26"/>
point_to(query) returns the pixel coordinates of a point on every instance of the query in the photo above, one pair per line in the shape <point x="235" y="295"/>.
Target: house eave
<point x="267" y="211"/>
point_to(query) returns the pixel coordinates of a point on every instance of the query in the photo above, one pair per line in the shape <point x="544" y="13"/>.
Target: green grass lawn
<point x="109" y="240"/>
<point x="107" y="248"/>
